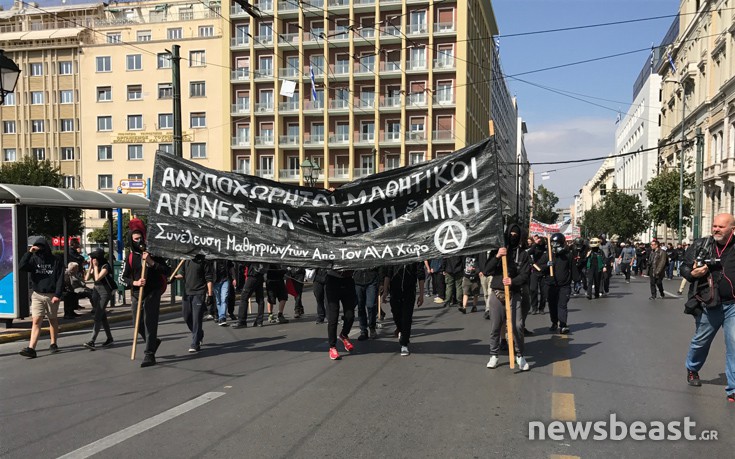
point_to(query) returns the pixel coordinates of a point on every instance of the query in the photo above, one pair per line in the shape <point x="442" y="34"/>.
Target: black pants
<point x="625" y="268"/>
<point x="438" y="286"/>
<point x="657" y="282"/>
<point x="71" y="302"/>
<point x="536" y="289"/>
<point x="340" y="290"/>
<point x="318" y="288"/>
<point x="593" y="280"/>
<point x="149" y="311"/>
<point x="606" y="277"/>
<point x="298" y="284"/>
<point x="402" y="302"/>
<point x="192" y="308"/>
<point x="253" y="284"/>
<point x="99" y="298"/>
<point x="231" y="301"/>
<point x="558" y="301"/>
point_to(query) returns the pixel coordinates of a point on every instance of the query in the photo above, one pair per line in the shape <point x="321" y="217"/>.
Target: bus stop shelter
<point x="14" y="203"/>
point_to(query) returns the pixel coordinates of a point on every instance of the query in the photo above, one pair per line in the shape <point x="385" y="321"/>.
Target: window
<point x="197" y="89"/>
<point x="67" y="153"/>
<point x="36" y="69"/>
<point x="37" y="126"/>
<point x="135" y="176"/>
<point x="165" y="90"/>
<point x="9" y="99"/>
<point x="166" y="121"/>
<point x="114" y="37"/>
<point x="135" y="92"/>
<point x="392" y="162"/>
<point x="166" y="148"/>
<point x="164" y="61"/>
<point x="8" y="127"/>
<point x="242" y="164"/>
<point x="135" y="152"/>
<point x="206" y="31"/>
<point x="69" y="181"/>
<point x="104" y="152"/>
<point x="104" y="64"/>
<point x="66" y="96"/>
<point x="144" y="35"/>
<point x="198" y="150"/>
<point x="186" y="13"/>
<point x="444" y="92"/>
<point x="39" y="153"/>
<point x="66" y="68"/>
<point x="197" y="59"/>
<point x="174" y="34"/>
<point x="135" y="122"/>
<point x="416" y="157"/>
<point x="67" y="125"/>
<point x="198" y="120"/>
<point x="9" y="155"/>
<point x="104" y="182"/>
<point x="104" y="123"/>
<point x="104" y="94"/>
<point x="134" y="62"/>
<point x="36" y="97"/>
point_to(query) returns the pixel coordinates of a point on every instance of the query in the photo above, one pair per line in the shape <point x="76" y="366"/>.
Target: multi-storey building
<point x="523" y="185"/>
<point x="592" y="192"/>
<point x="127" y="100"/>
<point x="394" y="83"/>
<point x="42" y="118"/>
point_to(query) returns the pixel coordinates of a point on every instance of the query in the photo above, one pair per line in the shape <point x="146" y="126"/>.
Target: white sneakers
<point x="520" y="361"/>
<point x="404" y="351"/>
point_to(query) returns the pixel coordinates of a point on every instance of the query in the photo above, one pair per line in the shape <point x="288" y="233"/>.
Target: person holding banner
<point x="253" y="284"/>
<point x="275" y="289"/>
<point x="366" y="288"/>
<point x="151" y="286"/>
<point x="518" y="274"/>
<point x="559" y="281"/>
<point x="340" y="288"/>
<point x="198" y="275"/>
<point x="400" y="281"/>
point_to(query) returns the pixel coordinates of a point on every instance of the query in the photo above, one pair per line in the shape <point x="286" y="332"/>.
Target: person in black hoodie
<point x="47" y="285"/>
<point x="536" y="284"/>
<point x="253" y="284"/>
<point x="400" y="281"/>
<point x="153" y="284"/>
<point x="453" y="278"/>
<point x="560" y="284"/>
<point x="518" y="273"/>
<point x="198" y="275"/>
<point x="101" y="273"/>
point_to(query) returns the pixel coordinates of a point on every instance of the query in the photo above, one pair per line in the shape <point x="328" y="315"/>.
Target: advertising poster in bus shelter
<point x="7" y="277"/>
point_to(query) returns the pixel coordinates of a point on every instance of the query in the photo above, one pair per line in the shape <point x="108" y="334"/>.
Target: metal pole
<point x="110" y="253"/>
<point x="176" y="86"/>
<point x="681" y="161"/>
<point x="698" y="186"/>
<point x="119" y="231"/>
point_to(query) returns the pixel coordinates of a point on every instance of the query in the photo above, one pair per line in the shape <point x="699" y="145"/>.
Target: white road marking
<point x="147" y="424"/>
<point x="672" y="294"/>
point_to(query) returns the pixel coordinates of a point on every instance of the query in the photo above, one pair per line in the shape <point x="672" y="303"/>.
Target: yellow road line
<point x="562" y="407"/>
<point x="561" y="456"/>
<point x="562" y="368"/>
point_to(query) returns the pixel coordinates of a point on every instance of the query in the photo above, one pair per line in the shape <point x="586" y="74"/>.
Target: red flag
<point x="291" y="287"/>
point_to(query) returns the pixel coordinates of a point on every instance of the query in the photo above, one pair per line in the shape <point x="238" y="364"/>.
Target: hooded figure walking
<point x="154" y="284"/>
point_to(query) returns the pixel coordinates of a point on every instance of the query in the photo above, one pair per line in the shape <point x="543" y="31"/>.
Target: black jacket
<point x="46" y="270"/>
<point x="454" y="265"/>
<point x="367" y="276"/>
<point x="197" y="273"/>
<point x="404" y="277"/>
<point x="156" y="275"/>
<point x="714" y="288"/>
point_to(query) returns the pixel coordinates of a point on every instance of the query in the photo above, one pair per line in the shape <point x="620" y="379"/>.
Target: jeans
<point x="102" y="297"/>
<point x="221" y="293"/>
<point x="670" y="269"/>
<point x="485" y="286"/>
<point x="707" y="325"/>
<point x="367" y="305"/>
<point x="625" y="268"/>
<point x="439" y="289"/>
<point x="340" y="290"/>
<point x="192" y="308"/>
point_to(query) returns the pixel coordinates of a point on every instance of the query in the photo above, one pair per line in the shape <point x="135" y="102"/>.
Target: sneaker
<point x="272" y="319"/>
<point x="486" y="315"/>
<point x="373" y="333"/>
<point x="222" y="322"/>
<point x="693" y="378"/>
<point x="257" y="324"/>
<point x="233" y="317"/>
<point x="296" y="314"/>
<point x="462" y="310"/>
<point x="281" y="320"/>
<point x="240" y="325"/>
<point x="108" y="343"/>
<point x="209" y="317"/>
<point x="493" y="362"/>
<point x="319" y="321"/>
<point x="334" y="354"/>
<point x="651" y="297"/>
<point x="474" y="309"/>
<point x="28" y="352"/>
<point x="522" y="364"/>
<point x="53" y="348"/>
<point x="627" y="281"/>
<point x="363" y="336"/>
<point x="553" y="328"/>
<point x="731" y="397"/>
<point x="405" y="351"/>
<point x="564" y="330"/>
<point x="193" y="349"/>
<point x="89" y="345"/>
<point x="346" y="342"/>
<point x="438" y="300"/>
<point x="679" y="292"/>
<point x="148" y="361"/>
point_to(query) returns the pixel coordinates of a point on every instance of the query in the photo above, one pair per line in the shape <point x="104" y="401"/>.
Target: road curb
<point x="26" y="334"/>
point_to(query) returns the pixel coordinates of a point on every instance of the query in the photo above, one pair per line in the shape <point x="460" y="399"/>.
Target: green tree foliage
<point x="620" y="214"/>
<point x="101" y="235"/>
<point x="593" y="222"/>
<point x="544" y="203"/>
<point x="663" y="198"/>
<point x="46" y="221"/>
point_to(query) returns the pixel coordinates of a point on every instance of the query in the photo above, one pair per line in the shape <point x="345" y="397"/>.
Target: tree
<point x="544" y="202"/>
<point x="593" y="222"/>
<point x="663" y="199"/>
<point x="102" y="235"/>
<point x="45" y="221"/>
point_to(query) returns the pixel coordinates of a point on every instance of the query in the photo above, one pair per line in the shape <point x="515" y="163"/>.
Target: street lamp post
<point x="681" y="156"/>
<point x="9" y="73"/>
<point x="310" y="172"/>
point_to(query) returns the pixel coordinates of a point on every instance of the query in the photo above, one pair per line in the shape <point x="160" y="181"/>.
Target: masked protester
<point x="154" y="283"/>
<point x="253" y="285"/>
<point x="595" y="268"/>
<point x="101" y="273"/>
<point x="535" y="286"/>
<point x="400" y="282"/>
<point x="608" y="253"/>
<point x="560" y="284"/>
<point x="579" y="266"/>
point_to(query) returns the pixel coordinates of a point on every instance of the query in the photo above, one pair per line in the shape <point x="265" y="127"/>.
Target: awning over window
<point x="61" y="197"/>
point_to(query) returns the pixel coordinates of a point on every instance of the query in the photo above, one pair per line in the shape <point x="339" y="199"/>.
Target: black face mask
<point x="595" y="249"/>
<point x="139" y="246"/>
<point x="515" y="240"/>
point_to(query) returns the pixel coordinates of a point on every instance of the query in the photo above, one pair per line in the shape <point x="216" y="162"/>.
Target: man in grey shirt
<point x="627" y="255"/>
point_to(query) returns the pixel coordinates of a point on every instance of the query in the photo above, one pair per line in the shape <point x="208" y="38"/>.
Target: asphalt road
<point x="273" y="392"/>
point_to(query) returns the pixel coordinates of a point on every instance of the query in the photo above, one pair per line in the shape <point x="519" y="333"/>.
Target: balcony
<point x="265" y="173"/>
<point x="339" y="35"/>
<point x="264" y="40"/>
<point x="416" y="136"/>
<point x="727" y="168"/>
<point x="444" y="27"/>
<point x="288" y="106"/>
<point x="390" y="67"/>
<point x="241" y="171"/>
<point x="289" y="72"/>
<point x="443" y="135"/>
<point x="418" y="29"/>
<point x="286" y="38"/>
<point x="362" y="172"/>
<point x="240" y="109"/>
<point x="334" y="4"/>
<point x="367" y="103"/>
<point x="339" y="139"/>
<point x="443" y="100"/>
<point x="342" y="68"/>
<point x="314" y="37"/>
<point x="366" y="68"/>
<point x="240" y="75"/>
<point x="266" y="72"/>
<point x="240" y="142"/>
<point x="366" y="138"/>
<point x="341" y="172"/>
<point x="264" y="140"/>
<point x="391" y="137"/>
<point x="391" y="102"/>
<point x="288" y="7"/>
<point x="312" y="105"/>
<point x="358" y="3"/>
<point x="416" y="100"/>
<point x="264" y="107"/>
<point x="390" y="31"/>
<point x="289" y="174"/>
<point x="314" y="139"/>
<point x="288" y="139"/>
<point x="240" y="42"/>
<point x="419" y="64"/>
<point x="339" y="104"/>
<point x="265" y="6"/>
<point x="446" y="64"/>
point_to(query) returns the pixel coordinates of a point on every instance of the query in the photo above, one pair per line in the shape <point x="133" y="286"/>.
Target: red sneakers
<point x="346" y="341"/>
<point x="333" y="354"/>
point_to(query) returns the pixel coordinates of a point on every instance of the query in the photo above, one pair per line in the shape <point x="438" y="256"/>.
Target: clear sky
<point x="559" y="127"/>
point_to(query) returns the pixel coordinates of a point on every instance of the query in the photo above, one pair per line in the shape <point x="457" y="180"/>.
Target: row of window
<point x="39" y="126"/>
<point x="135" y="151"/>
<point x="165" y="121"/>
<point x="134" y="62"/>
<point x="65" y="154"/>
<point x="39" y="68"/>
<point x="172" y="33"/>
<point x="64" y="96"/>
<point x="165" y="91"/>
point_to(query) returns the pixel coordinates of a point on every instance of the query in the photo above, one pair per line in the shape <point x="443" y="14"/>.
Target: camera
<point x="702" y="260"/>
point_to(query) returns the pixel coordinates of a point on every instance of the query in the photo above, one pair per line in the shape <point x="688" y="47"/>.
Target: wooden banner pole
<point x="137" y="314"/>
<point x="509" y="326"/>
<point x="548" y="247"/>
<point x="176" y="271"/>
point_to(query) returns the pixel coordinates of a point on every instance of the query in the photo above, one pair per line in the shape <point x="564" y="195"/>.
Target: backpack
<point x="163" y="278"/>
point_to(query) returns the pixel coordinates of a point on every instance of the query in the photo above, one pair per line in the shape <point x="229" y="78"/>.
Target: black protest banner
<point x="448" y="206"/>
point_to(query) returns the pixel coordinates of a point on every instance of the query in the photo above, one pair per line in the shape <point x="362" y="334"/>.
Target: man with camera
<point x="709" y="265"/>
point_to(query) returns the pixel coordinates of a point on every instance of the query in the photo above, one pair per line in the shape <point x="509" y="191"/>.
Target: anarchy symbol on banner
<point x="451" y="236"/>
